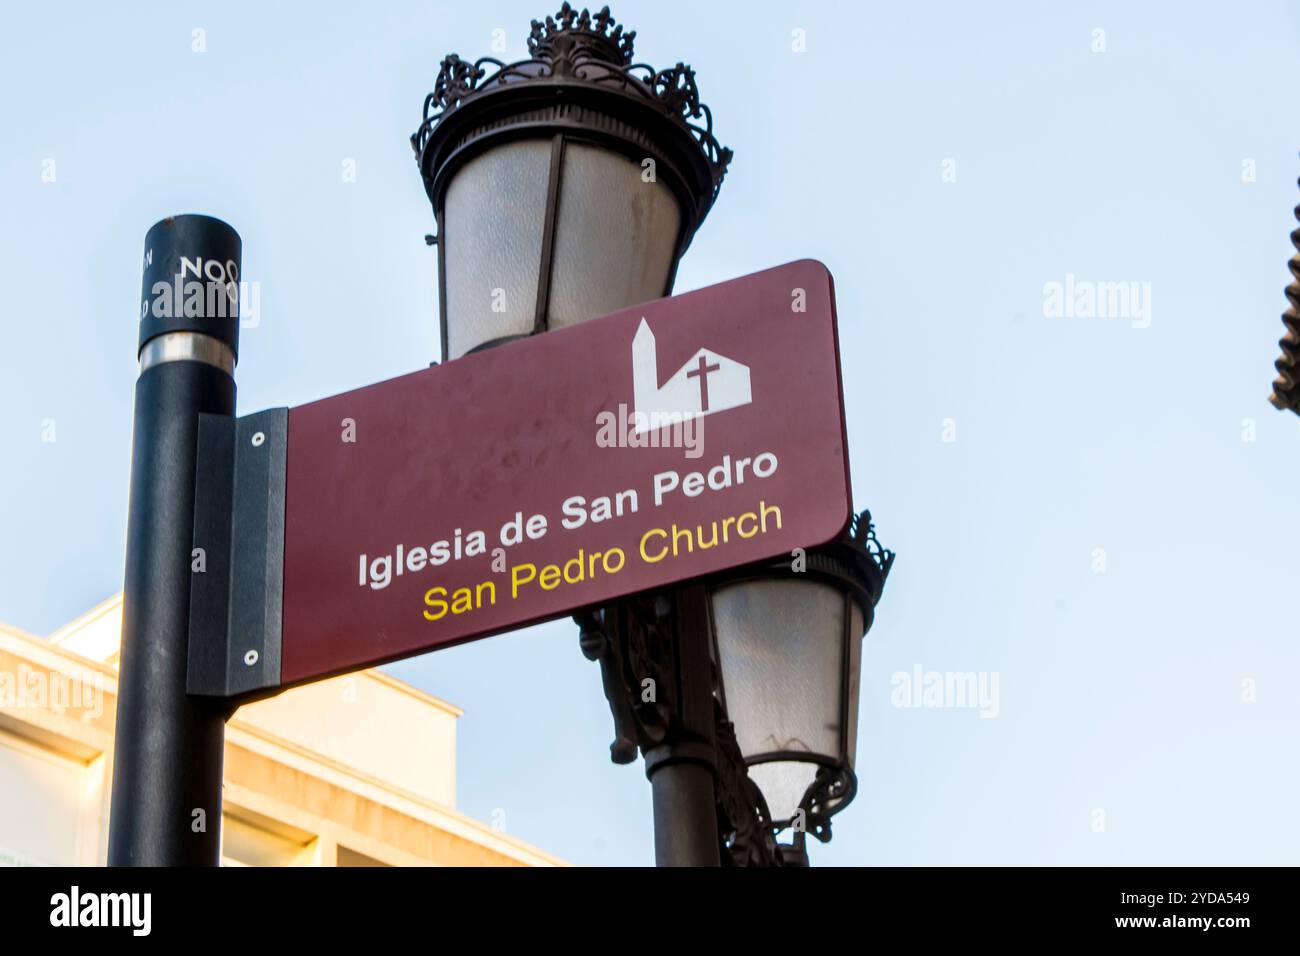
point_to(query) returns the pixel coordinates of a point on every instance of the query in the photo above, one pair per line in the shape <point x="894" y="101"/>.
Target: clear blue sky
<point x="1120" y="691"/>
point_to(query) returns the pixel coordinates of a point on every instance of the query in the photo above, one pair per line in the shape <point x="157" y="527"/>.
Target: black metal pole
<point x="664" y="637"/>
<point x="166" y="805"/>
<point x="686" y="823"/>
<point x="683" y="770"/>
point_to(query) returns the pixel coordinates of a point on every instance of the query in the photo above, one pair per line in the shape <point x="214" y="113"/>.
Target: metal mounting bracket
<point x="236" y="588"/>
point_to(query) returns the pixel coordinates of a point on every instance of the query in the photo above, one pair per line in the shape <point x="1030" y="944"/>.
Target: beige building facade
<point x="353" y="771"/>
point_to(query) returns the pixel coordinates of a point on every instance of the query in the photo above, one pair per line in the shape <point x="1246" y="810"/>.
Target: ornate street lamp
<point x="567" y="186"/>
<point x="787" y="638"/>
<point x="564" y="186"/>
<point x="779" y="721"/>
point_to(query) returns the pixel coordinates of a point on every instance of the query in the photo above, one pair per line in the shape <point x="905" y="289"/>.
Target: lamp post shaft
<point x="167" y="770"/>
<point x="683" y="769"/>
<point x="686" y="822"/>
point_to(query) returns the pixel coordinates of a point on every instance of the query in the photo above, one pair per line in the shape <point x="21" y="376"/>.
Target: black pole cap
<point x="191" y="279"/>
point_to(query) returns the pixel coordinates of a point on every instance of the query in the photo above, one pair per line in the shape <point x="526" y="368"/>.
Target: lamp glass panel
<point x="615" y="237"/>
<point x="783" y="783"/>
<point x="855" y="680"/>
<point x="781" y="650"/>
<point x="494" y="215"/>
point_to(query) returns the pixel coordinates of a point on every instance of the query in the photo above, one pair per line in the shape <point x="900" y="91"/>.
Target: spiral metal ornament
<point x="1286" y="388"/>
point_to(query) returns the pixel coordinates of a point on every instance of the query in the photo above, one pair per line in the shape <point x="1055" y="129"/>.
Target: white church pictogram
<point x="707" y="383"/>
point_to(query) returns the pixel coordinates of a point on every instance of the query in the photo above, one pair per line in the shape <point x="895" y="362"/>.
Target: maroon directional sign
<point x="665" y="442"/>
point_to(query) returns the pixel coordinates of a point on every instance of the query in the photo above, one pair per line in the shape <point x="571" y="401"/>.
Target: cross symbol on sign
<point x="702" y="372"/>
